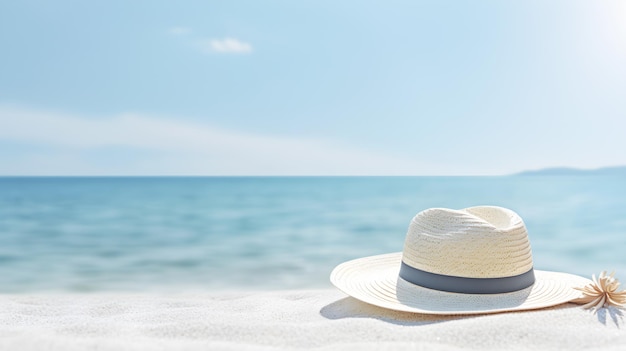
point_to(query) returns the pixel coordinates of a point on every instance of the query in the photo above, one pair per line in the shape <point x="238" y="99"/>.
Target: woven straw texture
<point x="477" y="242"/>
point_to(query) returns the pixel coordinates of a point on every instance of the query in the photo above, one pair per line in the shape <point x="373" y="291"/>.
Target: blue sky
<point x="310" y="87"/>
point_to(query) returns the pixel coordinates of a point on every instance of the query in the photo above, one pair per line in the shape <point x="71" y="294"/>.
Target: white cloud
<point x="221" y="46"/>
<point x="180" y="30"/>
<point x="67" y="144"/>
<point x="225" y="46"/>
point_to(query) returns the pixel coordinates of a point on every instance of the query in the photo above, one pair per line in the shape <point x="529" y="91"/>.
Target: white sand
<point x="324" y="319"/>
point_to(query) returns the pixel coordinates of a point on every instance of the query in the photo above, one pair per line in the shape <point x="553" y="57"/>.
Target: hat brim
<point x="375" y="280"/>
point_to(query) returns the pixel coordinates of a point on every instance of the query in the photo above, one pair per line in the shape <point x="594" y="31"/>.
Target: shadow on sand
<point x="616" y="314"/>
<point x="350" y="307"/>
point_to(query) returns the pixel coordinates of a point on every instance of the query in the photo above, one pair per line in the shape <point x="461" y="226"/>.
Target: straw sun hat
<point x="471" y="261"/>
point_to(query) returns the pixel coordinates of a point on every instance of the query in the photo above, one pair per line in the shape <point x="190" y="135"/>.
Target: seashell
<point x="602" y="293"/>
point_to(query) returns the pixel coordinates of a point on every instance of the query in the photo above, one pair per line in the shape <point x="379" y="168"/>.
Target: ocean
<point x="92" y="234"/>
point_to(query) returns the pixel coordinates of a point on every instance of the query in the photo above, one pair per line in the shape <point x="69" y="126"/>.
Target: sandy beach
<point x="282" y="320"/>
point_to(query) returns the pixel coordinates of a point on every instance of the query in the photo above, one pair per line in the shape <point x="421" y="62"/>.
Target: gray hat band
<point x="466" y="285"/>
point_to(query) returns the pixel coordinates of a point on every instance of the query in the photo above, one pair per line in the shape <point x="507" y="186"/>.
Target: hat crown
<point x="476" y="242"/>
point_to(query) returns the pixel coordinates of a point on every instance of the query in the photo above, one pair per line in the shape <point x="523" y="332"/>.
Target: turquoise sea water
<point x="147" y="234"/>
